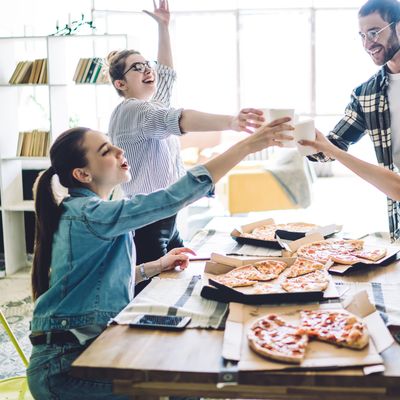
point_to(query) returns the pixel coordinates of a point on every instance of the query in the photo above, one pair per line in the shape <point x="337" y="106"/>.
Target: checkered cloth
<point x="179" y="297"/>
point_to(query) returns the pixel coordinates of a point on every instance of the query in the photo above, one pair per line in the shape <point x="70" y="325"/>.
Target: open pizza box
<point x="220" y="264"/>
<point x="282" y="235"/>
<point x="319" y="355"/>
<point x="391" y="254"/>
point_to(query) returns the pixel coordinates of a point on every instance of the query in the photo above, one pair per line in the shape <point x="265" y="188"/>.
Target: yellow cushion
<point x="252" y="189"/>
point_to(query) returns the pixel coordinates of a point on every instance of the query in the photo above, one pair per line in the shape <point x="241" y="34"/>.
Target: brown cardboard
<point x="319" y="355"/>
<point x="220" y="264"/>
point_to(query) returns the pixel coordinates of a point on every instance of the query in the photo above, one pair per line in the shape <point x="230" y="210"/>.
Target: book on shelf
<point x="33" y="143"/>
<point x="91" y="70"/>
<point x="31" y="72"/>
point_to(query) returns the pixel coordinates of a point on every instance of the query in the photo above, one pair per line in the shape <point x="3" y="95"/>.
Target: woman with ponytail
<point x="84" y="268"/>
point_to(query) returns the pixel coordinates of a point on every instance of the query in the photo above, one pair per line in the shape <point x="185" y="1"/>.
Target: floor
<point x="341" y="200"/>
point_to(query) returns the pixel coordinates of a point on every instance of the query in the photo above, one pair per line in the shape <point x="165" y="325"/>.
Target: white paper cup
<point x="275" y="113"/>
<point x="305" y="130"/>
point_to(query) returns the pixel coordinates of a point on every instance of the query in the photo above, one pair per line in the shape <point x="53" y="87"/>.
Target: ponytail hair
<point x="66" y="154"/>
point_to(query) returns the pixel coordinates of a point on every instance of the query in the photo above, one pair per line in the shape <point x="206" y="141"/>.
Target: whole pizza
<point x="273" y="337"/>
<point x="267" y="232"/>
<point x="340" y="251"/>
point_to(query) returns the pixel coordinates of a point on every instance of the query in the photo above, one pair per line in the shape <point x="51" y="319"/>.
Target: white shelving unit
<point x="55" y="106"/>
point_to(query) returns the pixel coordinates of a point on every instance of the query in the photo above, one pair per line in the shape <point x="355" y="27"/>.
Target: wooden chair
<point x="14" y="388"/>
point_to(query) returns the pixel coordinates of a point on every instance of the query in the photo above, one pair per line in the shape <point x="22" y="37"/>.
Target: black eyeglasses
<point x="141" y="66"/>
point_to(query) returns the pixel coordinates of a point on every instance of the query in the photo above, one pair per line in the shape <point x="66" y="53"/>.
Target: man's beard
<point x="393" y="47"/>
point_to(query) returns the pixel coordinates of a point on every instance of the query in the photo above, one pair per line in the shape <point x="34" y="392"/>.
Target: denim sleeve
<point x="109" y="219"/>
<point x="349" y="130"/>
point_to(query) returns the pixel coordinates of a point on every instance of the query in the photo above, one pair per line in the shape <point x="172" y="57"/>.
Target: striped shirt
<point x="148" y="133"/>
<point x="368" y="113"/>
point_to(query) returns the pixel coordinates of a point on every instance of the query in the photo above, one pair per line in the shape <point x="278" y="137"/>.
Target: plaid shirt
<point x="368" y="112"/>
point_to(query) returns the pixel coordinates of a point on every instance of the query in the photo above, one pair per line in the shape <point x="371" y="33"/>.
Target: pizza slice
<point x="335" y="326"/>
<point x="270" y="267"/>
<point x="232" y="281"/>
<point x="274" y="338"/>
<point x="246" y="272"/>
<point x="262" y="288"/>
<point x="371" y="255"/>
<point x="345" y="258"/>
<point x="316" y="281"/>
<point x="302" y="266"/>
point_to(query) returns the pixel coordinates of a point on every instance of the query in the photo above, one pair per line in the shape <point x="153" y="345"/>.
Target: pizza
<point x="271" y="267"/>
<point x="233" y="282"/>
<point x="316" y="281"/>
<point x="262" y="288"/>
<point x="250" y="272"/>
<point x="267" y="232"/>
<point x="303" y="266"/>
<point x="338" y="327"/>
<point x="339" y="251"/>
<point x="272" y="337"/>
<point x="371" y="255"/>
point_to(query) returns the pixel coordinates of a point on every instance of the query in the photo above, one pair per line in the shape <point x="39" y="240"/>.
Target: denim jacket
<point x="93" y="254"/>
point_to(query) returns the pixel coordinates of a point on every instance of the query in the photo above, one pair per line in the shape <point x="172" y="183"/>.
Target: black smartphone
<point x="160" y="322"/>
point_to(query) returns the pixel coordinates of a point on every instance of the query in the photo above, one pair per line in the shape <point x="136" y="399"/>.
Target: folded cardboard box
<point x="319" y="355"/>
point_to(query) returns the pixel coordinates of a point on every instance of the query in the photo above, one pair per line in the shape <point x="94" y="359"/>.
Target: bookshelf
<point x="52" y="107"/>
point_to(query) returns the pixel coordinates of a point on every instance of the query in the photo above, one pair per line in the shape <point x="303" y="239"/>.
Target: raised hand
<point x="160" y="13"/>
<point x="321" y="144"/>
<point x="270" y="135"/>
<point x="246" y="119"/>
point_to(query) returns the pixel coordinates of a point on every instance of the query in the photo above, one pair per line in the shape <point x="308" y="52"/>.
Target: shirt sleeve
<point x="141" y="120"/>
<point x="165" y="83"/>
<point x="349" y="130"/>
<point x="109" y="219"/>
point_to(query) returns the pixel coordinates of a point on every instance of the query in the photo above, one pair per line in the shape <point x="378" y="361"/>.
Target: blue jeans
<point x="48" y="375"/>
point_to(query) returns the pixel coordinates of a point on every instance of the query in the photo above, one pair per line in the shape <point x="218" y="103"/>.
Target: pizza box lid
<point x="391" y="256"/>
<point x="319" y="355"/>
<point x="281" y="235"/>
<point x="220" y="264"/>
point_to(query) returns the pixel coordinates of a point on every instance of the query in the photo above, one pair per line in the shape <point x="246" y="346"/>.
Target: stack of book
<point x="91" y="70"/>
<point x="34" y="72"/>
<point x="33" y="144"/>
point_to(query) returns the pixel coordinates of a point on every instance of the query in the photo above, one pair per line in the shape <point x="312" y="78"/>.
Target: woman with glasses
<point x="148" y="129"/>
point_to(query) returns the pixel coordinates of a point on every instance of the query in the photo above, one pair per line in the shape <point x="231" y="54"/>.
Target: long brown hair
<point x="66" y="154"/>
<point x="116" y="65"/>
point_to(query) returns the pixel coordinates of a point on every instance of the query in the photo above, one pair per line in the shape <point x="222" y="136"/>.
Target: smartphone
<point x="160" y="322"/>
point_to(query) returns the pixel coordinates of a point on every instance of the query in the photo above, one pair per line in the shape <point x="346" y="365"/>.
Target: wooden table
<point x="157" y="363"/>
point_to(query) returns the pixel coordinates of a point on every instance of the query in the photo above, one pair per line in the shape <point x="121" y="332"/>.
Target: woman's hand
<point x="246" y="119"/>
<point x="176" y="258"/>
<point x="321" y="144"/>
<point x="160" y="13"/>
<point x="270" y="135"/>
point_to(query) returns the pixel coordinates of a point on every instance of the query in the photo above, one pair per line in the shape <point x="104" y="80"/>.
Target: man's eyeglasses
<point x="141" y="66"/>
<point x="373" y="35"/>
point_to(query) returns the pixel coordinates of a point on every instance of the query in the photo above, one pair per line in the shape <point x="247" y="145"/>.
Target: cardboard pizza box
<point x="282" y="235"/>
<point x="220" y="264"/>
<point x="319" y="355"/>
